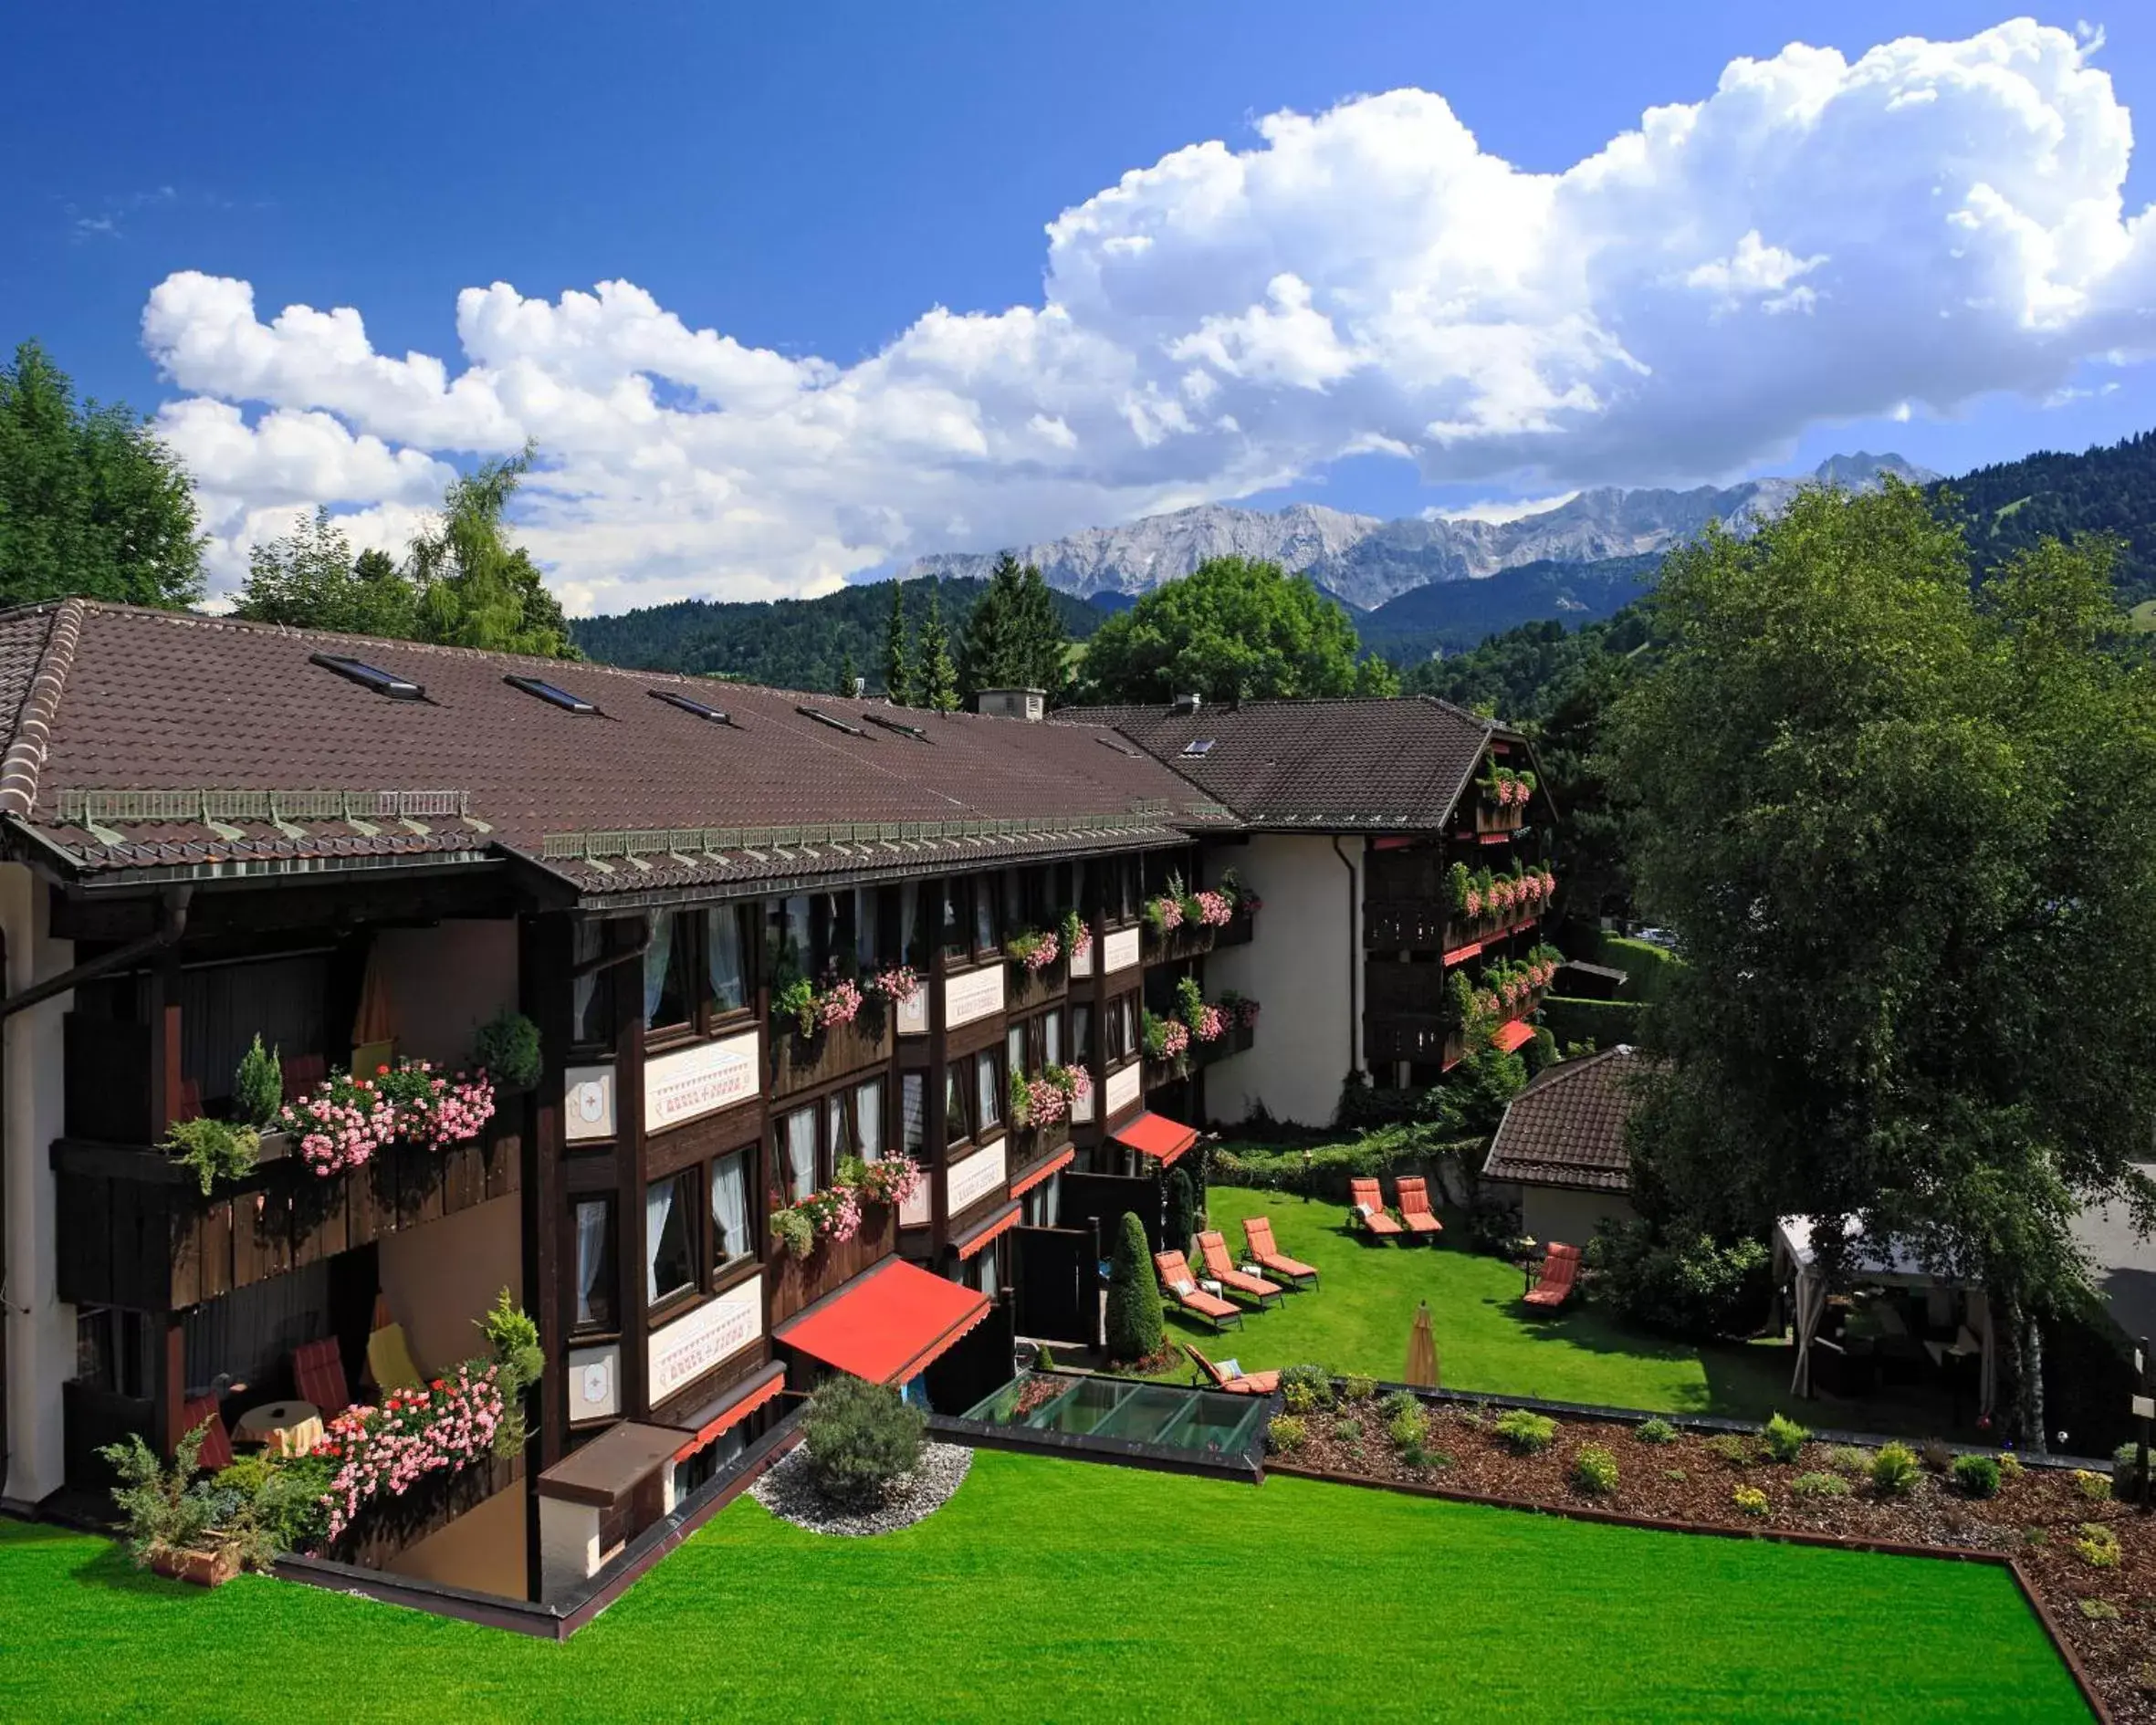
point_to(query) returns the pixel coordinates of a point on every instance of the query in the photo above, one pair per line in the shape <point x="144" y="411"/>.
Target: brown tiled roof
<point x="299" y="762"/>
<point x="1568" y="1127"/>
<point x="1356" y="763"/>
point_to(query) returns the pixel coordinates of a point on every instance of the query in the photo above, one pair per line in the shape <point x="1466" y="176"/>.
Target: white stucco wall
<point x="446" y="981"/>
<point x="1297" y="970"/>
<point x="439" y="1279"/>
<point x="40" y="1329"/>
<point x="1564" y="1213"/>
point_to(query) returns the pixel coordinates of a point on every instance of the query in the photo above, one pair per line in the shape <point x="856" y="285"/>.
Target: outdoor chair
<point x="1183" y="1288"/>
<point x="318" y="1375"/>
<point x="302" y="1072"/>
<point x="1213" y="1248"/>
<point x="1256" y="1236"/>
<point x="390" y="1364"/>
<point x="216" y="1442"/>
<point x="1554" y="1284"/>
<point x="1415" y="1211"/>
<point x="1229" y="1375"/>
<point x="1369" y="1206"/>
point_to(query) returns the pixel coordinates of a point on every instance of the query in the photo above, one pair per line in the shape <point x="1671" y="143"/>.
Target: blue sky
<point x="810" y="182"/>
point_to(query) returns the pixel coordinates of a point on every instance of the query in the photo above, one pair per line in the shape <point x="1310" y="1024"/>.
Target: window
<point x="595" y="1287"/>
<point x="957" y="917"/>
<point x="868" y="947"/>
<point x="1123" y="1027"/>
<point x="1198" y="748"/>
<point x="669" y="1217"/>
<point x="913" y="1113"/>
<point x="832" y="719"/>
<point x="591" y="995"/>
<point x="797" y="1152"/>
<point x="913" y="939"/>
<point x="985" y="935"/>
<point x="112" y="1351"/>
<point x="552" y="693"/>
<point x="725" y="957"/>
<point x="793" y="943"/>
<point x="1014" y="1049"/>
<point x="838" y="1129"/>
<point x="733" y="1239"/>
<point x="957" y="1124"/>
<point x="1051" y="1039"/>
<point x="368" y="677"/>
<point x="666" y="971"/>
<point x="868" y="1120"/>
<point x="991" y="1084"/>
<point x="1082" y="1034"/>
<point x="717" y="715"/>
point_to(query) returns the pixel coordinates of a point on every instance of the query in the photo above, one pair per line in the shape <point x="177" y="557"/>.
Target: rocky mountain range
<point x="1366" y="560"/>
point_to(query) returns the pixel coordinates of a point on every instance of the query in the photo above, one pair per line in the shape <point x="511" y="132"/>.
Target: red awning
<point x="747" y="1398"/>
<point x="1157" y="1136"/>
<point x="1000" y="1222"/>
<point x="886" y="1324"/>
<point x="1509" y="1037"/>
<point x="1054" y="1165"/>
<point x="1461" y="955"/>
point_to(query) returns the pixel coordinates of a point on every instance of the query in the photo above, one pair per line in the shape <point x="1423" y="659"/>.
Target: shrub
<point x="860" y="1438"/>
<point x="2097" y="1610"/>
<point x="1937" y="1457"/>
<point x="215" y="1149"/>
<point x="1676" y="1475"/>
<point x="794" y="1231"/>
<point x="271" y="1506"/>
<point x="1286" y="1433"/>
<point x="1417" y="1456"/>
<point x="1750" y="1499"/>
<point x="1182" y="1207"/>
<point x="1400" y="1402"/>
<point x="162" y="1508"/>
<point x="2095" y="1487"/>
<point x="1134" y="1322"/>
<point x="1728" y="1448"/>
<point x="2010" y="1468"/>
<point x="258" y="1087"/>
<point x="1305" y="1388"/>
<point x="1819" y="1485"/>
<point x="2099" y="1545"/>
<point x="1689" y="1287"/>
<point x="2126" y="1473"/>
<point x="1978" y="1476"/>
<point x="1358" y="1389"/>
<point x="513" y="1341"/>
<point x="1348" y="1430"/>
<point x="1595" y="1471"/>
<point x="507" y="1047"/>
<point x="1657" y="1430"/>
<point x="1847" y="1459"/>
<point x="1409" y="1427"/>
<point x="1528" y="1432"/>
<point x="1894" y="1471"/>
<point x="1785" y="1438"/>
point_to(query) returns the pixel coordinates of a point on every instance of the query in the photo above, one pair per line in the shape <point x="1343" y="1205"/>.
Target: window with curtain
<point x="797" y="1151"/>
<point x="986" y="1260"/>
<point x="665" y="978"/>
<point x="732" y="1240"/>
<point x="1051" y="1039"/>
<point x="955" y="918"/>
<point x="868" y="948"/>
<point x="912" y="946"/>
<point x="670" y="1265"/>
<point x="725" y="957"/>
<point x="991" y="1091"/>
<point x="985" y="894"/>
<point x="913" y="1113"/>
<point x="838" y="1129"/>
<point x="595" y="1264"/>
<point x="1014" y="1048"/>
<point x="957" y="1124"/>
<point x="591" y="997"/>
<point x="868" y="1120"/>
<point x="1082" y="1034"/>
<point x="794" y="945"/>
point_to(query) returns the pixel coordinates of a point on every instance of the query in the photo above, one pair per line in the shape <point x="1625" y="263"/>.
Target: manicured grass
<point x="1359" y="1318"/>
<point x="1053" y="1589"/>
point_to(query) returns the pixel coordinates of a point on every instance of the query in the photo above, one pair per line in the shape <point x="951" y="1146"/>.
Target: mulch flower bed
<point x="2107" y="1612"/>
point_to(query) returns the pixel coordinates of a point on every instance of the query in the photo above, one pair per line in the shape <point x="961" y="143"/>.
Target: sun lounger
<point x="1213" y="1247"/>
<point x="1229" y="1375"/>
<point x="216" y="1442"/>
<point x="1369" y="1208"/>
<point x="1554" y="1285"/>
<point x="318" y="1373"/>
<point x="1257" y="1235"/>
<point x="1415" y="1211"/>
<point x="1181" y="1286"/>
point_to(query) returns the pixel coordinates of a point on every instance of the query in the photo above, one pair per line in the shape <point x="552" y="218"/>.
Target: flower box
<point x="199" y="1567"/>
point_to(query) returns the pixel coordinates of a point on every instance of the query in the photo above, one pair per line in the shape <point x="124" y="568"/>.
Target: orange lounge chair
<point x="1213" y="1248"/>
<point x="1554" y="1284"/>
<point x="1414" y="1209"/>
<point x="1229" y="1375"/>
<point x="1369" y="1204"/>
<point x="1181" y="1286"/>
<point x="1256" y="1236"/>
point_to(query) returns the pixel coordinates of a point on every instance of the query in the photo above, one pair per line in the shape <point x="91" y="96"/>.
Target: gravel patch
<point x="785" y="1490"/>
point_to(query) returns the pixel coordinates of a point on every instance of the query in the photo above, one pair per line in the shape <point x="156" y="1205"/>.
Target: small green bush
<point x="1358" y="1389"/>
<point x="2099" y="1545"/>
<point x="2126" y="1473"/>
<point x="1750" y="1499"/>
<point x="1677" y="1476"/>
<point x="1399" y="1402"/>
<point x="2094" y="1486"/>
<point x="1728" y="1448"/>
<point x="258" y="1087"/>
<point x="1409" y="1427"/>
<point x="861" y="1437"/>
<point x="1305" y="1388"/>
<point x="1528" y="1432"/>
<point x="1977" y="1476"/>
<point x="1287" y="1434"/>
<point x="1657" y="1430"/>
<point x="2010" y="1468"/>
<point x="1894" y="1471"/>
<point x="1595" y="1471"/>
<point x="1348" y="1430"/>
<point x="2097" y="1610"/>
<point x="1819" y="1485"/>
<point x="1849" y="1459"/>
<point x="1785" y="1438"/>
<point x="215" y="1149"/>
<point x="507" y="1047"/>
<point x="1417" y="1456"/>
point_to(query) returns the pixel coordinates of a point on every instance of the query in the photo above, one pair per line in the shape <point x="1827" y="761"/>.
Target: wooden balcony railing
<point x="1026" y="988"/>
<point x="1188" y="941"/>
<point x="797" y="1283"/>
<point x="798" y="1062"/>
<point x="1431" y="924"/>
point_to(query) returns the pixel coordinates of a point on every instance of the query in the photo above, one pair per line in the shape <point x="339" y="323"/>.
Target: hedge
<point x="1648" y="968"/>
<point x="1605" y="1023"/>
<point x="1384" y="1154"/>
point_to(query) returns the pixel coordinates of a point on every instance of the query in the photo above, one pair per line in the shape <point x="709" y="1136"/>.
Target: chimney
<point x="1187" y="703"/>
<point x="859" y="687"/>
<point x="1031" y="704"/>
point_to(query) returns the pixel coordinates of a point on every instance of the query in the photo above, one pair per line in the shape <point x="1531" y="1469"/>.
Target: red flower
<point x="382" y="1072"/>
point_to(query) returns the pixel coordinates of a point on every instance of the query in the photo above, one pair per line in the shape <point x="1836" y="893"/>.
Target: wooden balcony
<point x="1241" y="929"/>
<point x="390" y="1526"/>
<point x="135" y="1230"/>
<point x="1030" y="1147"/>
<point x="1421" y="1037"/>
<point x="1026" y="990"/>
<point x="1491" y="819"/>
<point x="1431" y="924"/>
<point x="1189" y="941"/>
<point x="1236" y="1040"/>
<point x="799" y="1062"/>
<point x="797" y="1283"/>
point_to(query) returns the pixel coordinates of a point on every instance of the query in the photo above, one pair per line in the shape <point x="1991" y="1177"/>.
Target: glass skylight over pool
<point x="552" y="692"/>
<point x="690" y="704"/>
<point x="371" y="676"/>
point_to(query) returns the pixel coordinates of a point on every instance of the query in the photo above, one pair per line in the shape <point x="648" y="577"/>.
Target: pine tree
<point x="939" y="677"/>
<point x="1134" y="1324"/>
<point x="898" y="658"/>
<point x="1014" y="639"/>
<point x="848" y="676"/>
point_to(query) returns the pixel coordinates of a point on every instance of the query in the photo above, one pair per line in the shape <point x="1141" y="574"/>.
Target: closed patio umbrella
<point x="1422" y="1350"/>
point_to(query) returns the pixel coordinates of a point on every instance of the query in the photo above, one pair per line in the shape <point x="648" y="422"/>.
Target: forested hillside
<point x="2007" y="508"/>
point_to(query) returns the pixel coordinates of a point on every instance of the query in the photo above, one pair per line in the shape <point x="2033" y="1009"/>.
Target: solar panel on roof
<point x="552" y="693"/>
<point x="832" y="719"/>
<point x="688" y="703"/>
<point x="1199" y="746"/>
<point x="370" y="676"/>
<point x="900" y="726"/>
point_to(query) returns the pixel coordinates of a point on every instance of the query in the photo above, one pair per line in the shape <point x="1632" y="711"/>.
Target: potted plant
<point x="259" y="1101"/>
<point x="507" y="1048"/>
<point x="171" y="1519"/>
<point x="215" y="1149"/>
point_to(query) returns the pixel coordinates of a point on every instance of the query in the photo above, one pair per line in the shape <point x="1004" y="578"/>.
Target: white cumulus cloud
<point x="1814" y="239"/>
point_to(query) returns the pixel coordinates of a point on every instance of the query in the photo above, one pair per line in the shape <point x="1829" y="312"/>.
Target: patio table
<point x="287" y="1428"/>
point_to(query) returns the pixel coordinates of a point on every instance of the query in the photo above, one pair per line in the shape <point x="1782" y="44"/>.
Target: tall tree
<point x="1014" y="639"/>
<point x="898" y="656"/>
<point x="309" y="580"/>
<point x="1906" y="834"/>
<point x="90" y="501"/>
<point x="937" y="675"/>
<point x="1233" y="628"/>
<point x="476" y="590"/>
<point x="847" y="676"/>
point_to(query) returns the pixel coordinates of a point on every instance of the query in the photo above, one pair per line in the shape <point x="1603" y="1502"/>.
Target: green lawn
<point x="1053" y="1589"/>
<point x="1358" y="1322"/>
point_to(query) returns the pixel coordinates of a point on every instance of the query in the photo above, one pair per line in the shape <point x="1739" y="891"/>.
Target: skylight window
<point x="900" y="726"/>
<point x="370" y="676"/>
<point x="552" y="693"/>
<point x="1200" y="747"/>
<point x="1121" y="748"/>
<point x="688" y="703"/>
<point x="832" y="719"/>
